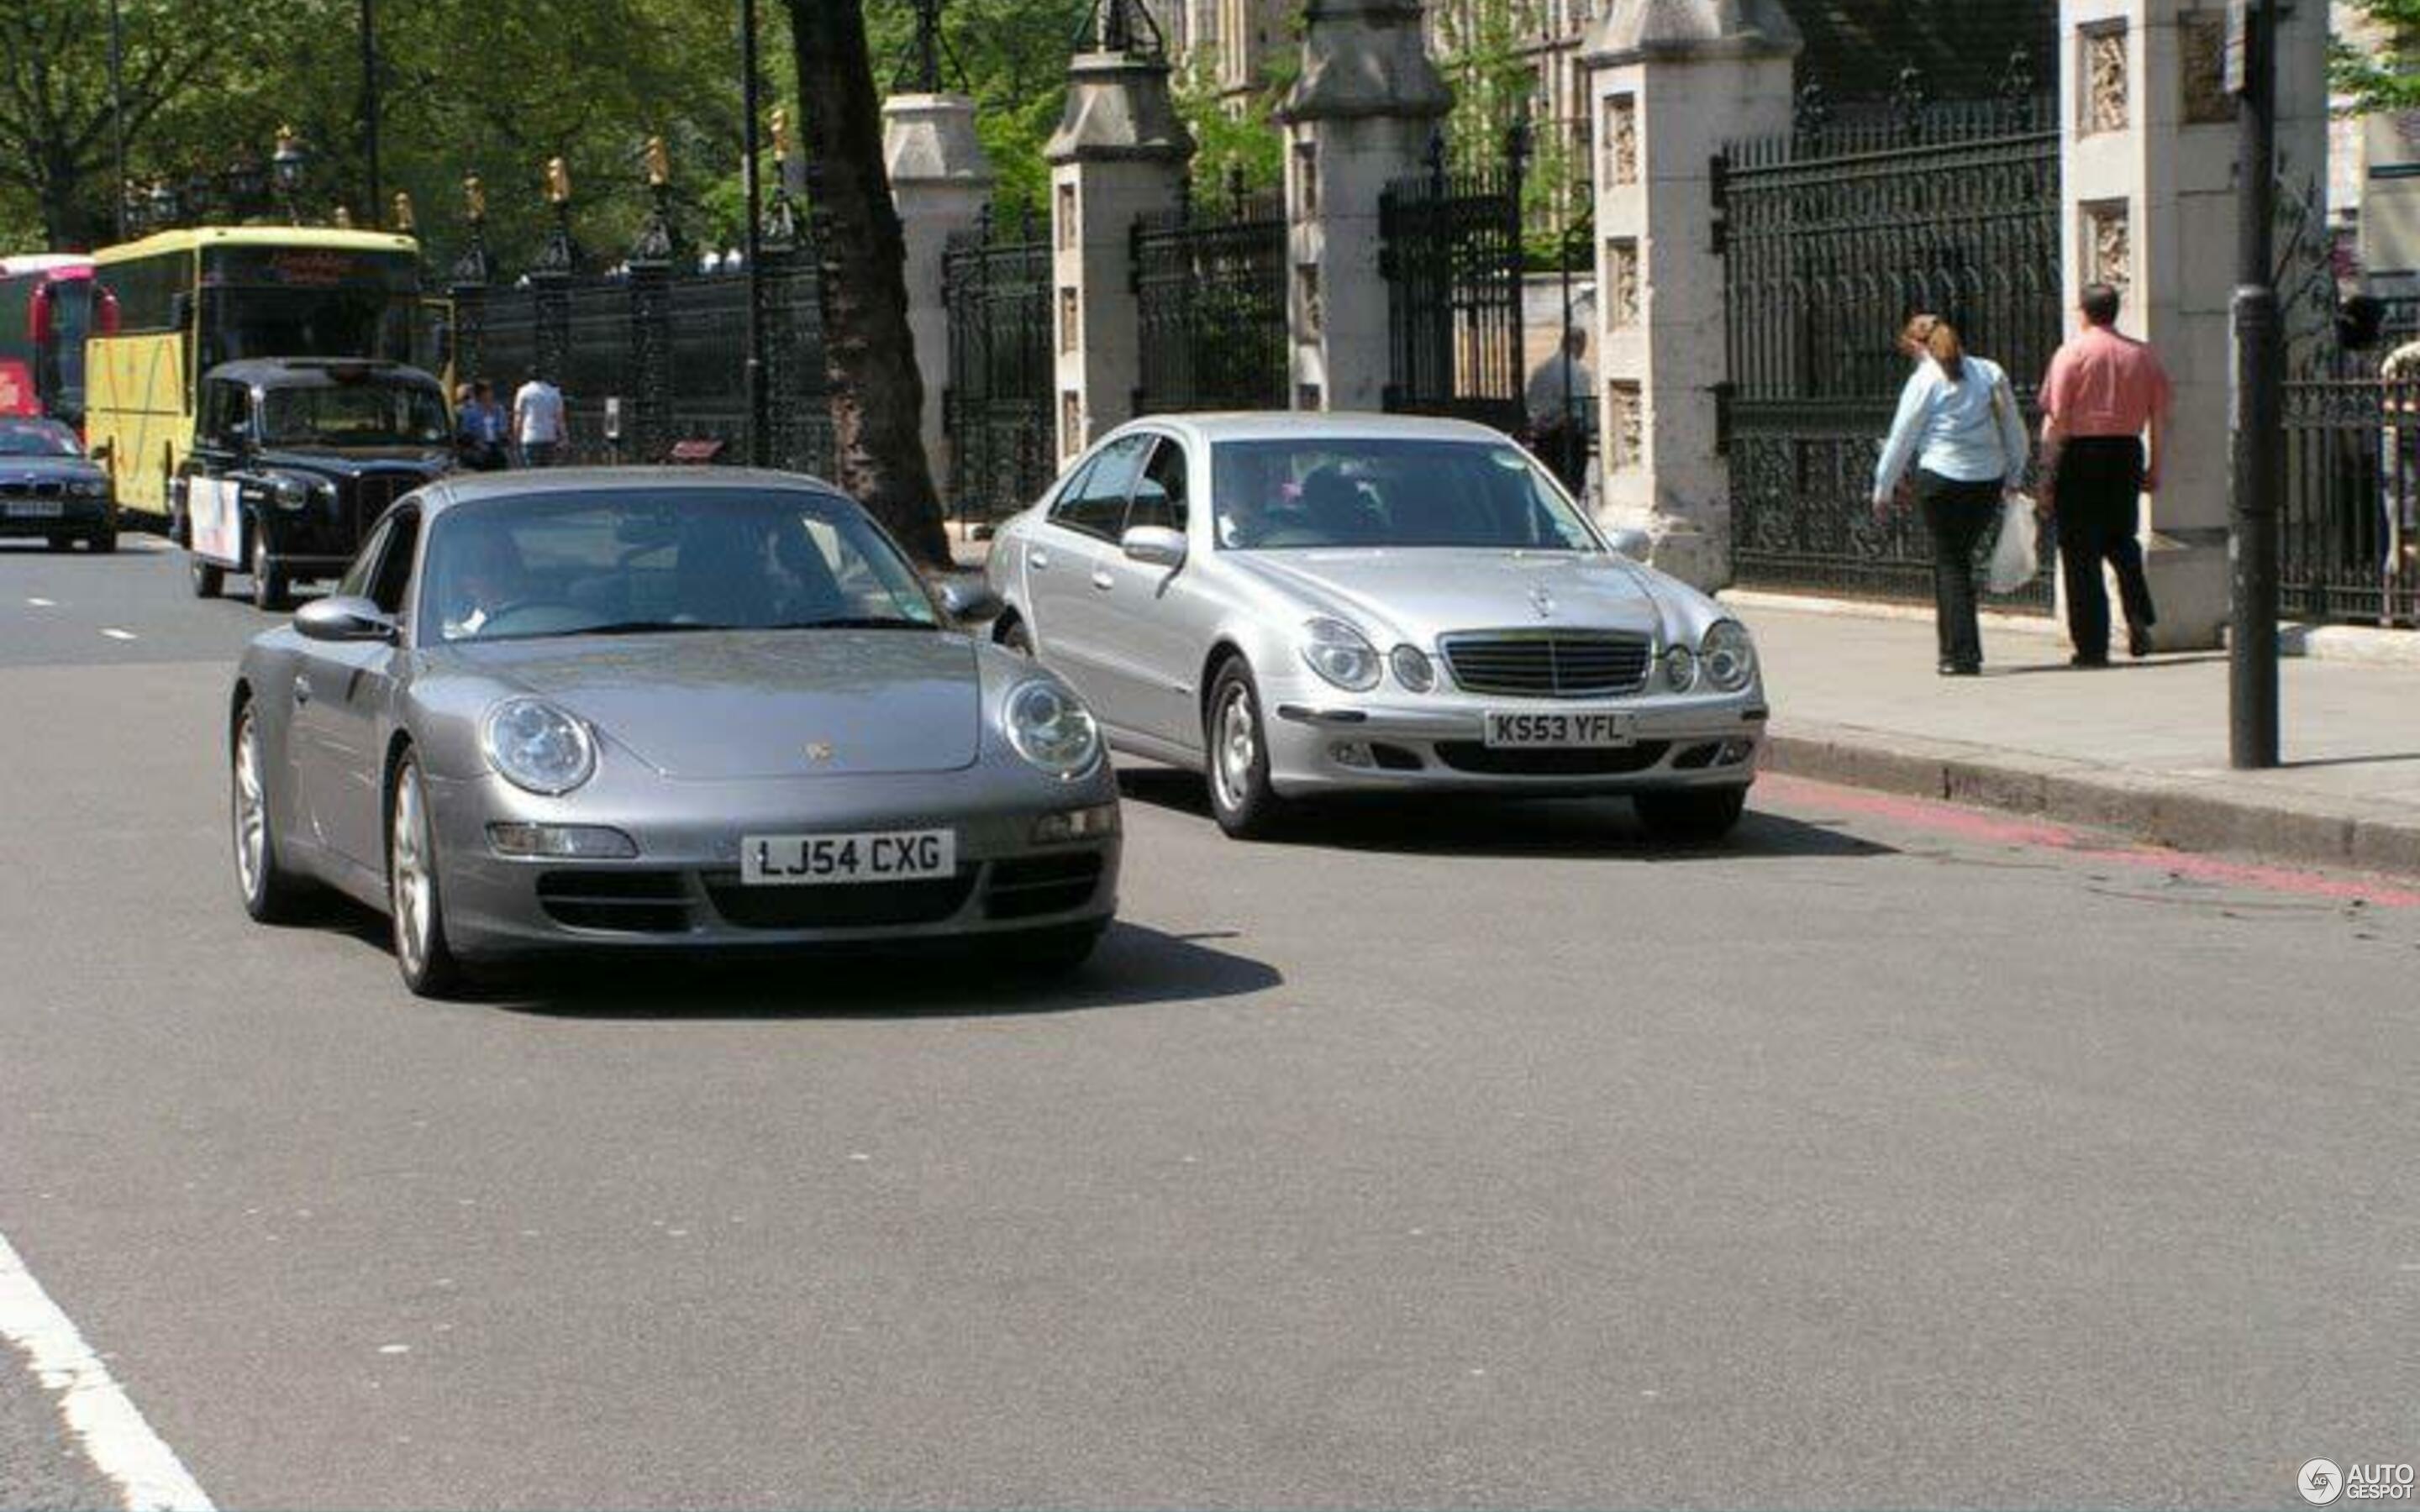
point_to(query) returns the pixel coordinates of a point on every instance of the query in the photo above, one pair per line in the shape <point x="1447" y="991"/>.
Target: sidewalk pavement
<point x="2140" y="748"/>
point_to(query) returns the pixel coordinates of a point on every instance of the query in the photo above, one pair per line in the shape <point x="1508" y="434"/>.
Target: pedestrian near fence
<point x="1957" y="423"/>
<point x="2102" y="394"/>
<point x="538" y="419"/>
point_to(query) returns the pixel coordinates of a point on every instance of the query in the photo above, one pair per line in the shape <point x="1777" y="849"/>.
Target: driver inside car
<point x="486" y="578"/>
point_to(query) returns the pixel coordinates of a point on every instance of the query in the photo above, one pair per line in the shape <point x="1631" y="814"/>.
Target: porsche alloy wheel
<point x="414" y="903"/>
<point x="270" y="893"/>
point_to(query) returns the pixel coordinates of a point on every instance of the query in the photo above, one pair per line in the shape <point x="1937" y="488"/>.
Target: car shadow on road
<point x="1481" y="825"/>
<point x="1133" y="965"/>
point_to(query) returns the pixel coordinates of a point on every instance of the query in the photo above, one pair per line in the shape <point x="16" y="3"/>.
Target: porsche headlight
<point x="1340" y="654"/>
<point x="537" y="746"/>
<point x="1048" y="727"/>
<point x="1727" y="656"/>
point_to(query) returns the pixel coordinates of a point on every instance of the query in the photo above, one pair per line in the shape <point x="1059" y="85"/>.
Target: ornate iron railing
<point x="1211" y="297"/>
<point x="1833" y="236"/>
<point x="2349" y="527"/>
<point x="1450" y="248"/>
<point x="996" y="408"/>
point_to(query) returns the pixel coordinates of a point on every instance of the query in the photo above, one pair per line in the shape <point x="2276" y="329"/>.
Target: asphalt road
<point x="1889" y="1156"/>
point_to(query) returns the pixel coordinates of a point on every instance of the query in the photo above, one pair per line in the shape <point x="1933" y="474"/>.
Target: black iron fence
<point x="2348" y="546"/>
<point x="996" y="407"/>
<point x="1833" y="236"/>
<point x="1210" y="291"/>
<point x="1450" y="248"/>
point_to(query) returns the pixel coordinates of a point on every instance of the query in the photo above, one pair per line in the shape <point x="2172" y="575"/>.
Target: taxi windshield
<point x="354" y="414"/>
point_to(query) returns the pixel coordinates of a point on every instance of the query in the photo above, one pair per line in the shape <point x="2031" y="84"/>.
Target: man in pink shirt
<point x="2102" y="393"/>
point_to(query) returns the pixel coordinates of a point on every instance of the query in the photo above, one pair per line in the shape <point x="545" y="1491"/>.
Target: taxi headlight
<point x="1341" y="655"/>
<point x="291" y="493"/>
<point x="1727" y="655"/>
<point x="1048" y="727"/>
<point x="537" y="746"/>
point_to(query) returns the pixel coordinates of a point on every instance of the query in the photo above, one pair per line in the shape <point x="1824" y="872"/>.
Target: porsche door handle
<point x="302" y="691"/>
<point x="1102" y="580"/>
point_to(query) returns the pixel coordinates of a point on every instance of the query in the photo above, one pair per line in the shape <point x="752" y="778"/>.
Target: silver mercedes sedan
<point x="1307" y="603"/>
<point x="662" y="709"/>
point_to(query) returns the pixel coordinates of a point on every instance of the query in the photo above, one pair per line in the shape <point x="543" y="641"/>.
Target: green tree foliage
<point x="2388" y="77"/>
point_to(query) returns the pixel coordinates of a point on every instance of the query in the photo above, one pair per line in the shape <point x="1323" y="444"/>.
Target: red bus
<point x="46" y="311"/>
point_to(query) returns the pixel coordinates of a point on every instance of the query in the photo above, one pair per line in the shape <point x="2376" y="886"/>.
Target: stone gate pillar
<point x="2148" y="202"/>
<point x="1671" y="82"/>
<point x="940" y="183"/>
<point x="1361" y="115"/>
<point x="1120" y="151"/>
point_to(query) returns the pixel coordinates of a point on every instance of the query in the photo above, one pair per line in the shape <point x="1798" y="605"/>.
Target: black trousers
<point x="2097" y="497"/>
<point x="1958" y="515"/>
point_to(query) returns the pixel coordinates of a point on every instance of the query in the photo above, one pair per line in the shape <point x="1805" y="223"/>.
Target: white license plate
<point x="1563" y="730"/>
<point x="879" y="855"/>
<point x="34" y="509"/>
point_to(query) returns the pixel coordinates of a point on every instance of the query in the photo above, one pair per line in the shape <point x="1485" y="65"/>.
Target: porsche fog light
<point x="1729" y="655"/>
<point x="1412" y="668"/>
<point x="1680" y="668"/>
<point x="537" y="747"/>
<point x="1341" y="655"/>
<point x="585" y="843"/>
<point x="1098" y="822"/>
<point x="1048" y="727"/>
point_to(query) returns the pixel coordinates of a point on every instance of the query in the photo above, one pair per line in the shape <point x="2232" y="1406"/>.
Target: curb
<point x="2182" y="812"/>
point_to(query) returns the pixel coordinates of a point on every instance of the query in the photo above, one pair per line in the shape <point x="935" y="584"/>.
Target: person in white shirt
<point x="1558" y="400"/>
<point x="538" y="419"/>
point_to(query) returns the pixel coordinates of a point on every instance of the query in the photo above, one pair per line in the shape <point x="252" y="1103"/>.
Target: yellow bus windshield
<point x="307" y="301"/>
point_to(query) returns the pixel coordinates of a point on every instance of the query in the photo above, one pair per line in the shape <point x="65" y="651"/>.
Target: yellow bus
<point x="170" y="307"/>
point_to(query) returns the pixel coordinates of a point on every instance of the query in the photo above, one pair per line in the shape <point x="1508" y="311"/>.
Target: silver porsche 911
<point x="1306" y="604"/>
<point x="651" y="709"/>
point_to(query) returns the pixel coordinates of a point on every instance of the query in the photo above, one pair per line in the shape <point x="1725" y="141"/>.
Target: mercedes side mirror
<point x="1154" y="546"/>
<point x="967" y="599"/>
<point x="341" y="617"/>
<point x="1635" y="544"/>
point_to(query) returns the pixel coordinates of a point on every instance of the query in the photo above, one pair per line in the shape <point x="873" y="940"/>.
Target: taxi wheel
<point x="267" y="579"/>
<point x="413" y="904"/>
<point x="1241" y="798"/>
<point x="270" y="893"/>
<point x="1690" y="816"/>
<point x="208" y="579"/>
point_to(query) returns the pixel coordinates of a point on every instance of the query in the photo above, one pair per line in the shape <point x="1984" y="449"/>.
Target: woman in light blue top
<point x="1958" y="423"/>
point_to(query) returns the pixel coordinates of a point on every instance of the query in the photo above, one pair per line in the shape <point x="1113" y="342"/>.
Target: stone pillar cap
<point x="931" y="139"/>
<point x="1119" y="109"/>
<point x="1364" y="58"/>
<point x="1634" y="31"/>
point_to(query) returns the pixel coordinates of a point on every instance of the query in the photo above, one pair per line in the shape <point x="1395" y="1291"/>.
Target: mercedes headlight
<point x="537" y="746"/>
<point x="1727" y="656"/>
<point x="1680" y="668"/>
<point x="1048" y="728"/>
<point x="1340" y="654"/>
<point x="1412" y="668"/>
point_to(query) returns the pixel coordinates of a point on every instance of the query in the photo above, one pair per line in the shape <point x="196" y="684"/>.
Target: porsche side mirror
<point x="1154" y="546"/>
<point x="969" y="600"/>
<point x="343" y="618"/>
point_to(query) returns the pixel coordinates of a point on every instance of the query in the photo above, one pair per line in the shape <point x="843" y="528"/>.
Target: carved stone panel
<point x="2108" y="244"/>
<point x="1621" y="281"/>
<point x="2201" y="63"/>
<point x="1314" y="309"/>
<point x="1068" y="306"/>
<point x="1619" y="141"/>
<point x="2105" y="83"/>
<point x="1626" y="419"/>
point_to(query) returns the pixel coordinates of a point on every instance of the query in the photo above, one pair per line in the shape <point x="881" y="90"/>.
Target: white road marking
<point x="116" y="634"/>
<point x="43" y="603"/>
<point x="104" y="1422"/>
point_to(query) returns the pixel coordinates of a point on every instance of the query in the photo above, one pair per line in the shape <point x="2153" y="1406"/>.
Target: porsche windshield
<point x="368" y="413"/>
<point x="631" y="562"/>
<point x="1325" y="491"/>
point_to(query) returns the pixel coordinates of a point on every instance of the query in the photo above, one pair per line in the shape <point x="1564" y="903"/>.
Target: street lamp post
<point x="759" y="427"/>
<point x="117" y="110"/>
<point x="2258" y="398"/>
<point x="286" y="164"/>
<point x="370" y="106"/>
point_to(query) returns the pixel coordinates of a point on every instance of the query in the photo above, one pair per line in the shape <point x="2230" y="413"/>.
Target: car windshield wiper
<point x="649" y="628"/>
<point x="859" y="621"/>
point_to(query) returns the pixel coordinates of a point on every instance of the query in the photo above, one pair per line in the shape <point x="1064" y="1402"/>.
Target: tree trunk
<point x="878" y="396"/>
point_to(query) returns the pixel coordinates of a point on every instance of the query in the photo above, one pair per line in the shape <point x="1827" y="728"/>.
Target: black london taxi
<point x="294" y="459"/>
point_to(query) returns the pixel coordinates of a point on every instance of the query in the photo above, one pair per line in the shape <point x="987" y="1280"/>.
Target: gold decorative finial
<point x="780" y="134"/>
<point x="343" y="218"/>
<point x="403" y="221"/>
<point x="558" y="181"/>
<point x="286" y="139"/>
<point x="474" y="199"/>
<point x="660" y="163"/>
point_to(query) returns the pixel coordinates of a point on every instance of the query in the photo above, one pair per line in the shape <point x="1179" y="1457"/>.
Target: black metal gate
<point x="1833" y="236"/>
<point x="996" y="408"/>
<point x="1211" y="300"/>
<point x="1449" y="247"/>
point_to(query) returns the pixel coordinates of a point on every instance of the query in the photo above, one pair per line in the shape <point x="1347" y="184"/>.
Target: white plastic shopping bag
<point x="2014" y="561"/>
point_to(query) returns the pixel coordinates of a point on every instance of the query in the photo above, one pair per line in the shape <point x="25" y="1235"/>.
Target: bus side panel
<point x="135" y="401"/>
